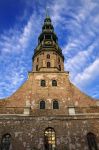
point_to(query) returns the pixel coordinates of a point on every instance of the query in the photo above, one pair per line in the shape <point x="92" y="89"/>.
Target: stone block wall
<point x="27" y="132"/>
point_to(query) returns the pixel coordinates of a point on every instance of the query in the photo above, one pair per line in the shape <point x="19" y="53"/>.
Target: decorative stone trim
<point x="71" y="110"/>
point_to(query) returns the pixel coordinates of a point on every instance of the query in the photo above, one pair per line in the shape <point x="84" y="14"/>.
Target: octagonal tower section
<point x="48" y="55"/>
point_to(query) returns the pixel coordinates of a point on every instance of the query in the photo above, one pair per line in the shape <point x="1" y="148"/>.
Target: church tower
<point x="48" y="55"/>
<point x="48" y="112"/>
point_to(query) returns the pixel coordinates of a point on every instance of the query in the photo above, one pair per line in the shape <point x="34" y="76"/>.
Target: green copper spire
<point x="48" y="40"/>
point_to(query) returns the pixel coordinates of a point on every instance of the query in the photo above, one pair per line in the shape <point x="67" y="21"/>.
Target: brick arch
<point x="54" y="82"/>
<point x="49" y="138"/>
<point x="7" y="130"/>
<point x="42" y="104"/>
<point x="56" y="103"/>
<point x="6" y="141"/>
<point x="14" y="140"/>
<point x="92" y="142"/>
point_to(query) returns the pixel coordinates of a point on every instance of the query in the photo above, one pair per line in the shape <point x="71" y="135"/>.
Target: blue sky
<point x="76" y="23"/>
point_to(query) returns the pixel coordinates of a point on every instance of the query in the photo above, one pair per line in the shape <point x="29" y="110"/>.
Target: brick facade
<point x="22" y="118"/>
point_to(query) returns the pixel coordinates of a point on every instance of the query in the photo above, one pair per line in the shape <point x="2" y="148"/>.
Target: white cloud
<point x="26" y="35"/>
<point x="57" y="9"/>
<point x="14" y="47"/>
<point x="88" y="75"/>
<point x="94" y="91"/>
<point x="78" y="62"/>
<point x="82" y="44"/>
<point x="16" y="40"/>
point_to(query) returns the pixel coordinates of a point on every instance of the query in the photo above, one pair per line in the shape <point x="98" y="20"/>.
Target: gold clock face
<point x="48" y="42"/>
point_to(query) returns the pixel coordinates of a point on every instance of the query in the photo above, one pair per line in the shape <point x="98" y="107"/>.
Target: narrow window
<point x="48" y="56"/>
<point x="47" y="27"/>
<point x="91" y="138"/>
<point x="49" y="139"/>
<point x="58" y="60"/>
<point x="48" y="65"/>
<point x="6" y="142"/>
<point x="59" y="68"/>
<point x="36" y="67"/>
<point x="37" y="59"/>
<point x="55" y="104"/>
<point x="54" y="83"/>
<point x="42" y="104"/>
<point x="43" y="83"/>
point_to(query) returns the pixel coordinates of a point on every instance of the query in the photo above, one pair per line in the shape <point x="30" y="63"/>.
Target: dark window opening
<point x="49" y="139"/>
<point x="48" y="56"/>
<point x="6" y="142"/>
<point x="55" y="104"/>
<point x="36" y="67"/>
<point x="54" y="39"/>
<point x="54" y="83"/>
<point x="47" y="27"/>
<point x="58" y="60"/>
<point x="59" y="68"/>
<point x="48" y="37"/>
<point x="37" y="59"/>
<point x="48" y="65"/>
<point x="43" y="83"/>
<point x="43" y="27"/>
<point x="91" y="138"/>
<point x="42" y="104"/>
<point x="41" y="39"/>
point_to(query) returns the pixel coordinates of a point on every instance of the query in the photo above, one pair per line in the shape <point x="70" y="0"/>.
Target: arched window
<point x="48" y="56"/>
<point x="49" y="139"/>
<point x="91" y="138"/>
<point x="55" y="104"/>
<point x="43" y="83"/>
<point x="42" y="104"/>
<point x="36" y="67"/>
<point x="54" y="83"/>
<point x="48" y="65"/>
<point x="6" y="142"/>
